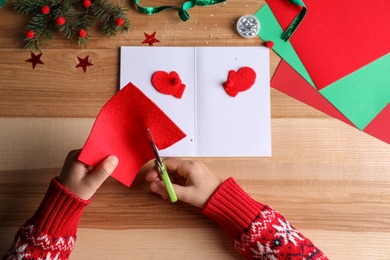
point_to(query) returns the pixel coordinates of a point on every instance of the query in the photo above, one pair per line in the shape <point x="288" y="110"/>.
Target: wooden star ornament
<point x="35" y="59"/>
<point x="150" y="39"/>
<point x="84" y="63"/>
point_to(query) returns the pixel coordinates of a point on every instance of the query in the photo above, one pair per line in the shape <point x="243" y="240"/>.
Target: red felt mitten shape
<point x="239" y="81"/>
<point x="169" y="84"/>
<point x="120" y="129"/>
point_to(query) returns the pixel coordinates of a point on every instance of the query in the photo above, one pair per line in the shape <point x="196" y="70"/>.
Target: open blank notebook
<point x="215" y="123"/>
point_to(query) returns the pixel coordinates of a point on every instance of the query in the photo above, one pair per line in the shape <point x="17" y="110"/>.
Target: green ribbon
<point x="2" y="2"/>
<point x="298" y="19"/>
<point x="183" y="14"/>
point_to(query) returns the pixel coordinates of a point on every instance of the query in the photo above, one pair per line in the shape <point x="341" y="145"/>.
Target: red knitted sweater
<point x="258" y="231"/>
<point x="51" y="232"/>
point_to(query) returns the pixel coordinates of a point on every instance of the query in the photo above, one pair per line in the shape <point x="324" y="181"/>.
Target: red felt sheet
<point x="288" y="81"/>
<point x="337" y="37"/>
<point x="120" y="129"/>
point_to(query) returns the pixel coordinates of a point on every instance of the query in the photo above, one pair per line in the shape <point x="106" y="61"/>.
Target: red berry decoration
<point x="73" y="19"/>
<point x="269" y="44"/>
<point x="45" y="9"/>
<point x="30" y="34"/>
<point x="87" y="3"/>
<point x="82" y="33"/>
<point x="119" y="21"/>
<point x="60" y="21"/>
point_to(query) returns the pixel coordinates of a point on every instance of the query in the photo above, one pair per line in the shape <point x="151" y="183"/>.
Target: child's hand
<point x="80" y="179"/>
<point x="192" y="181"/>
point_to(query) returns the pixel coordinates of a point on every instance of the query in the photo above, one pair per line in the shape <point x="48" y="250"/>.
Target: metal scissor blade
<point x="161" y="169"/>
<point x="155" y="150"/>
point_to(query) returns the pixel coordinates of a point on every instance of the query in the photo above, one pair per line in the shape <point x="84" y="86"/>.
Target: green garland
<point x="73" y="19"/>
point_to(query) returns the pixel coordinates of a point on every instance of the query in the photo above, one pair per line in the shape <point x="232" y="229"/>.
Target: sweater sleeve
<point x="257" y="230"/>
<point x="51" y="232"/>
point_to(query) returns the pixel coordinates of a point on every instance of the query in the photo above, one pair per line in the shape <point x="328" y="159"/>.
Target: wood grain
<point x="340" y="193"/>
<point x="72" y="93"/>
<point x="328" y="179"/>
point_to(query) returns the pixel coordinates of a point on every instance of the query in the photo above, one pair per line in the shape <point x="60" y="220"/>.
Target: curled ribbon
<point x="294" y="24"/>
<point x="183" y="14"/>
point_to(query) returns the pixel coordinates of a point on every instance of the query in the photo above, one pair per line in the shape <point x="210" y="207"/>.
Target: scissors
<point x="161" y="169"/>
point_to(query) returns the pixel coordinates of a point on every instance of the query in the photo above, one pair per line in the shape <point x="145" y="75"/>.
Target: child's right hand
<point x="192" y="181"/>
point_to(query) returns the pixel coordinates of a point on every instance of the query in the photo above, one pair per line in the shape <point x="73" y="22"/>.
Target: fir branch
<point x="83" y="20"/>
<point x="76" y="17"/>
<point x="43" y="29"/>
<point x="68" y="28"/>
<point x="65" y="10"/>
<point x="102" y="10"/>
<point x="30" y="7"/>
<point x="108" y="15"/>
<point x="127" y="25"/>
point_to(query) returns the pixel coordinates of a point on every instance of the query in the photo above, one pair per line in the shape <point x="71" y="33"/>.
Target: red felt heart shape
<point x="169" y="84"/>
<point x="239" y="81"/>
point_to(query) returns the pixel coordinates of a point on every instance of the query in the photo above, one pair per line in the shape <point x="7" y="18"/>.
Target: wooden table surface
<point x="328" y="179"/>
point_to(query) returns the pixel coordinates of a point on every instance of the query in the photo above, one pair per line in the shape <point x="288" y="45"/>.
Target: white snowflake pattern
<point x="263" y="223"/>
<point x="48" y="257"/>
<point x="287" y="232"/>
<point x="264" y="251"/>
<point x="45" y="242"/>
<point x="268" y="214"/>
<point x="18" y="251"/>
<point x="30" y="237"/>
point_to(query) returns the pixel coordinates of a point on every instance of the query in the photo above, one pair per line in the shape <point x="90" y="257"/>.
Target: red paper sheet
<point x="120" y="129"/>
<point x="288" y="81"/>
<point x="380" y="126"/>
<point x="337" y="37"/>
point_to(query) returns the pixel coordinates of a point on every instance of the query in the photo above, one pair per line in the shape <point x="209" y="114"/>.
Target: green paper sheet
<point x="271" y="31"/>
<point x="363" y="94"/>
<point x="360" y="96"/>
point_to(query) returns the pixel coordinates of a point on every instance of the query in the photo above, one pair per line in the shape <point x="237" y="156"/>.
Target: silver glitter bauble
<point x="248" y="26"/>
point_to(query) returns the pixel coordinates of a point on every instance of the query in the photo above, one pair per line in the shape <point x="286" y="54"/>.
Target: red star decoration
<point x="35" y="59"/>
<point x="150" y="39"/>
<point x="84" y="63"/>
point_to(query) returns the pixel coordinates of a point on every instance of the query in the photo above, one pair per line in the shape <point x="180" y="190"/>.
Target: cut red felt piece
<point x="336" y="37"/>
<point x="239" y="81"/>
<point x="288" y="81"/>
<point x="169" y="84"/>
<point x="120" y="129"/>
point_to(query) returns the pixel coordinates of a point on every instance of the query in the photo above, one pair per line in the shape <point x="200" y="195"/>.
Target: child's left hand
<point x="79" y="179"/>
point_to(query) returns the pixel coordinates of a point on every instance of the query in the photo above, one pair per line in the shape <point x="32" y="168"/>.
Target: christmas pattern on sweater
<point x="51" y="232"/>
<point x="257" y="230"/>
<point x="30" y="243"/>
<point x="270" y="236"/>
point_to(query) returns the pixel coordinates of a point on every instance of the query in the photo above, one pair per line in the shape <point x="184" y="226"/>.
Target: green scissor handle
<point x="168" y="184"/>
